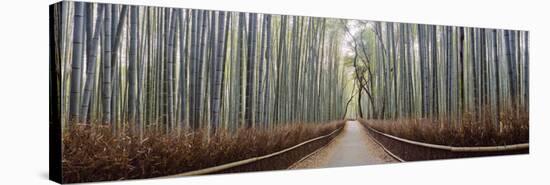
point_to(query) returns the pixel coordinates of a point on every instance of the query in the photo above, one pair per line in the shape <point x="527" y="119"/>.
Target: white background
<point x="24" y="91"/>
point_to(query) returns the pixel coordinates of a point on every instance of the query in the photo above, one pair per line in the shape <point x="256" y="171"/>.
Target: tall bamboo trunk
<point x="76" y="73"/>
<point x="251" y="59"/>
<point x="107" y="66"/>
<point x="266" y="105"/>
<point x="90" y="68"/>
<point x="132" y="65"/>
<point x="217" y="81"/>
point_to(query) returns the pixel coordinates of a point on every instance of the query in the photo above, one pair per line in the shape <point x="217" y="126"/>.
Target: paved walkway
<point x="351" y="147"/>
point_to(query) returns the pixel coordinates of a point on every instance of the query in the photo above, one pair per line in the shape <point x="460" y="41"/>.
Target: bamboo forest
<point x="145" y="92"/>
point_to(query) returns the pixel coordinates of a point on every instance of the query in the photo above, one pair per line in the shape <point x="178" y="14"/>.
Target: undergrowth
<point x="95" y="154"/>
<point x="464" y="132"/>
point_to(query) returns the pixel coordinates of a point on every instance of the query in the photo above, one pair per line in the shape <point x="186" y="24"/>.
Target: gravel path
<point x="352" y="147"/>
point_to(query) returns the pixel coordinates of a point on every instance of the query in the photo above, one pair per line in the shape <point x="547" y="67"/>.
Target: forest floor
<point x="352" y="147"/>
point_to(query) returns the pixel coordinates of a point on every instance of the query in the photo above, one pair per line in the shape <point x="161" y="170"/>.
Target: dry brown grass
<point x="464" y="132"/>
<point x="94" y="154"/>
